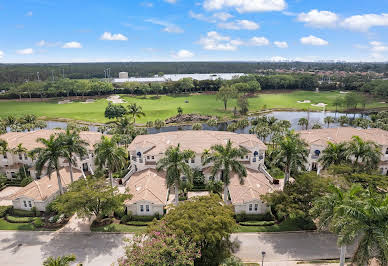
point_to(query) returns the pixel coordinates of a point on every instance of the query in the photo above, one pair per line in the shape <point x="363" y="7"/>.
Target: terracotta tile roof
<point x="195" y="140"/>
<point x="255" y="185"/>
<point x="45" y="187"/>
<point x="28" y="139"/>
<point x="341" y="134"/>
<point x="148" y="185"/>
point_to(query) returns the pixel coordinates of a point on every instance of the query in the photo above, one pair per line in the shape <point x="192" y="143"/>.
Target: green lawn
<point x="4" y="225"/>
<point x="119" y="228"/>
<point x="166" y="106"/>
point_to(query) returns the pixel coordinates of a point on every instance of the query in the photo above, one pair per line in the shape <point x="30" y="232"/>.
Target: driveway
<point x="31" y="248"/>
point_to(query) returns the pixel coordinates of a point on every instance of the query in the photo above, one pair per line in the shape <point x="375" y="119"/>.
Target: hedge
<point x="15" y="219"/>
<point x="243" y="217"/>
<point x="138" y="223"/>
<point x="22" y="213"/>
<point x="4" y="210"/>
<point x="257" y="223"/>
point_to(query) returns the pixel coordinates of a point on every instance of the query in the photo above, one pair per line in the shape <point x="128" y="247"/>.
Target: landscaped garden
<point x="162" y="107"/>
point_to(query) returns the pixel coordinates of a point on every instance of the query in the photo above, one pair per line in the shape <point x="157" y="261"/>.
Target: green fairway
<point x="166" y="106"/>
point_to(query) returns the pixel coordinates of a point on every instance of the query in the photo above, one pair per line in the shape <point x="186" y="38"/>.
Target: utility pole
<point x="37" y="74"/>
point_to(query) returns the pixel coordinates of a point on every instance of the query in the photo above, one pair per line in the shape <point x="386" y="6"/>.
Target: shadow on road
<point x="19" y="240"/>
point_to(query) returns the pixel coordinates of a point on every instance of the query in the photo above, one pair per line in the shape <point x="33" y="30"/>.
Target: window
<point x="20" y="156"/>
<point x="25" y="157"/>
<point x="153" y="157"/>
<point x="141" y="208"/>
<point x="25" y="203"/>
<point x="147" y="208"/>
<point x="29" y="204"/>
<point x="246" y="157"/>
<point x="386" y="152"/>
<point x="5" y="156"/>
<point x="250" y="207"/>
<point x="187" y="161"/>
<point x="193" y="160"/>
<point x="256" y="207"/>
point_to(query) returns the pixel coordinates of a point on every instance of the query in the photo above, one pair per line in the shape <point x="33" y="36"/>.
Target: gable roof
<point x="45" y="187"/>
<point x="29" y="139"/>
<point x="148" y="185"/>
<point x="195" y="140"/>
<point x="336" y="135"/>
<point x="255" y="185"/>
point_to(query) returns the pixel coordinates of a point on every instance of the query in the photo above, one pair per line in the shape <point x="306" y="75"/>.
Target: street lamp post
<point x="262" y="257"/>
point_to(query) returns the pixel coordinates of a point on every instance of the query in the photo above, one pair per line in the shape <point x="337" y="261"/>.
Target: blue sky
<point x="193" y="30"/>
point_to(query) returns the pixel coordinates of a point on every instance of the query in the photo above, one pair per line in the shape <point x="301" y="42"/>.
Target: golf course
<point x="162" y="107"/>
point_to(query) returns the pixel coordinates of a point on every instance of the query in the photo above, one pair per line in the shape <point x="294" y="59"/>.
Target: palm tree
<point x="324" y="211"/>
<point x="175" y="164"/>
<point x="333" y="154"/>
<point x="59" y="261"/>
<point x="136" y="111"/>
<point x="3" y="146"/>
<point x="19" y="149"/>
<point x="72" y="145"/>
<point x="110" y="155"/>
<point x="337" y="102"/>
<point x="292" y="153"/>
<point x="49" y="156"/>
<point x="9" y="120"/>
<point x="366" y="152"/>
<point x="225" y="160"/>
<point x="343" y="120"/>
<point x="364" y="218"/>
<point x="303" y="122"/>
<point x="328" y="120"/>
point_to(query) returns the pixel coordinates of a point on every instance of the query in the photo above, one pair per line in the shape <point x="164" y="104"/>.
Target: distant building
<point x="123" y="75"/>
<point x="176" y="77"/>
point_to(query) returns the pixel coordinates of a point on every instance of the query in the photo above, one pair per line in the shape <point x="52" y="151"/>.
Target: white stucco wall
<point x="135" y="208"/>
<point x="262" y="208"/>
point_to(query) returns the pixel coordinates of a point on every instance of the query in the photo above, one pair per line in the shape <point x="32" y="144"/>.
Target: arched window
<point x="255" y="153"/>
<point x="138" y="154"/>
<point x="317" y="152"/>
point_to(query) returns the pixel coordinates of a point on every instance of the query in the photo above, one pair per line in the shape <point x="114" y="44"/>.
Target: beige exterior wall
<point x="252" y="207"/>
<point x="137" y="207"/>
<point x="27" y="204"/>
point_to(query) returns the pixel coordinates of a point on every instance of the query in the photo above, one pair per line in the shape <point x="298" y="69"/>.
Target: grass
<point x="166" y="106"/>
<point x="119" y="228"/>
<point x="17" y="219"/>
<point x="4" y="225"/>
<point x="288" y="225"/>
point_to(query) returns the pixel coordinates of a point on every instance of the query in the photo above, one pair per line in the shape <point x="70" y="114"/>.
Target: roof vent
<point x="138" y="188"/>
<point x="258" y="185"/>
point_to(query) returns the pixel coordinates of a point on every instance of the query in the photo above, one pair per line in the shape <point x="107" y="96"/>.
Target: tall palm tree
<point x="19" y="149"/>
<point x="333" y="154"/>
<point x="9" y="120"/>
<point x="72" y="145"/>
<point x="49" y="156"/>
<point x="292" y="153"/>
<point x="136" y="111"/>
<point x="110" y="155"/>
<point x="324" y="210"/>
<point x="3" y="146"/>
<point x="174" y="163"/>
<point x="59" y="261"/>
<point x="363" y="217"/>
<point x="303" y="122"/>
<point x="225" y="160"/>
<point x="365" y="152"/>
<point x="329" y="120"/>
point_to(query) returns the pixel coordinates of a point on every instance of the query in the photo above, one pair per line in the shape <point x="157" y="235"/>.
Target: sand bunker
<point x="305" y="101"/>
<point x="64" y="102"/>
<point x="344" y="92"/>
<point x="319" y="105"/>
<point x="115" y="99"/>
<point x="89" y="101"/>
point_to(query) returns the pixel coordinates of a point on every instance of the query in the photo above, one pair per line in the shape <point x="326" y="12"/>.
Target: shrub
<point x="119" y="213"/>
<point x="15" y="219"/>
<point x="35" y="211"/>
<point x="243" y="217"/>
<point x="4" y="210"/>
<point x="22" y="213"/>
<point x="304" y="223"/>
<point x="38" y="222"/>
<point x="197" y="126"/>
<point x="25" y="181"/>
<point x="125" y="219"/>
<point x="144" y="218"/>
<point x="137" y="223"/>
<point x="257" y="223"/>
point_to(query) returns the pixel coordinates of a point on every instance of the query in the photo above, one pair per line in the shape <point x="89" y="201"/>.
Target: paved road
<point x="30" y="248"/>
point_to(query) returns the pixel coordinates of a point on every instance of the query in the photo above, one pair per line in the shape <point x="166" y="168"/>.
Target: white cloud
<point x="170" y="1"/>
<point x="29" y="14"/>
<point x="278" y="59"/>
<point x="312" y="40"/>
<point x="378" y="47"/>
<point x="70" y="45"/>
<point x="239" y="25"/>
<point x="202" y="17"/>
<point x="168" y="27"/>
<point x="258" y="41"/>
<point x="217" y="42"/>
<point x="183" y="54"/>
<point x="281" y="44"/>
<point x="1" y="54"/>
<point x="107" y="36"/>
<point x="364" y="22"/>
<point x="25" y="51"/>
<point x="319" y="19"/>
<point x="147" y="4"/>
<point x="43" y="43"/>
<point x="246" y="5"/>
<point x="223" y="16"/>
